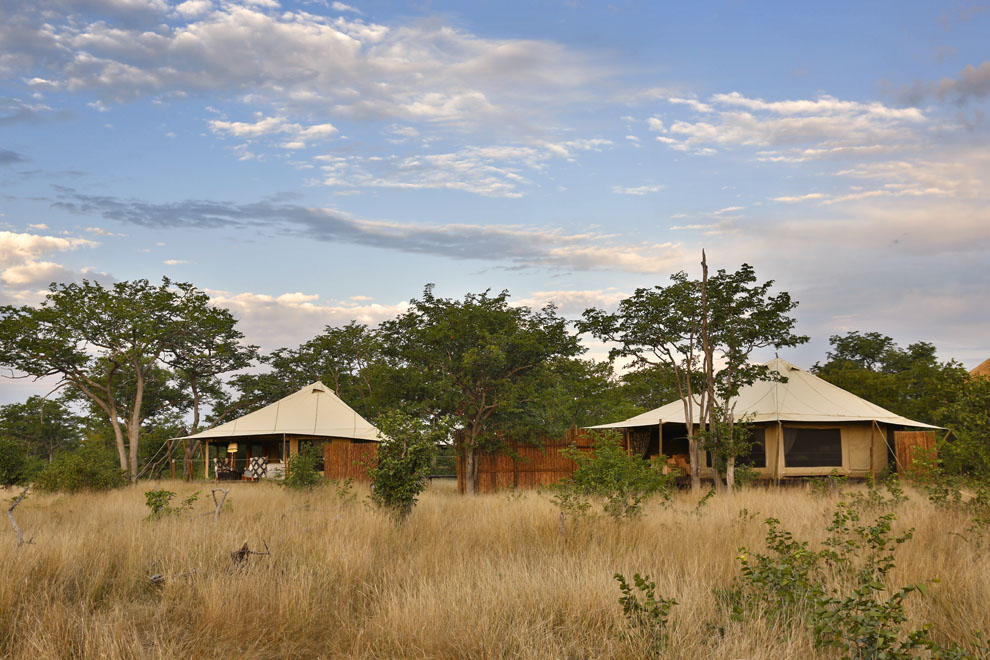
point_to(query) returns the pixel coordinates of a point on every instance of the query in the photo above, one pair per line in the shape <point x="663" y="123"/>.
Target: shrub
<point x="649" y="617"/>
<point x="404" y="461"/>
<point x="302" y="472"/>
<point x="621" y="481"/>
<point x="89" y="467"/>
<point x="160" y="503"/>
<point x="16" y="467"/>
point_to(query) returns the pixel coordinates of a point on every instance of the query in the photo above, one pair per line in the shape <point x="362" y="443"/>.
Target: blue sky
<point x="313" y="162"/>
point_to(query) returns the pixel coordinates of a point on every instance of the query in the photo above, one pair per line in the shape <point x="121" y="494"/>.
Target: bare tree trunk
<point x="118" y="438"/>
<point x="730" y="474"/>
<point x="470" y="469"/>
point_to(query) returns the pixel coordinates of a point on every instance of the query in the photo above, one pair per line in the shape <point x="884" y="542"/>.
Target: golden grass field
<point x="466" y="577"/>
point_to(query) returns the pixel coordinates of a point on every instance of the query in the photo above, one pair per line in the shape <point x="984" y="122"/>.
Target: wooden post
<point x="206" y="460"/>
<point x="171" y="468"/>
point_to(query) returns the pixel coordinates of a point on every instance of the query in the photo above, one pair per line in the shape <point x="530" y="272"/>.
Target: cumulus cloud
<point x="520" y="245"/>
<point x="292" y="318"/>
<point x="734" y="120"/>
<point x="297" y="135"/>
<point x="24" y="268"/>
<point x="338" y="66"/>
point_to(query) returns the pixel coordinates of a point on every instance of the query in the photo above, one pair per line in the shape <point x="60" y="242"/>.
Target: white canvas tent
<point x="806" y="426"/>
<point x="314" y="411"/>
<point x="313" y="414"/>
<point x="803" y="398"/>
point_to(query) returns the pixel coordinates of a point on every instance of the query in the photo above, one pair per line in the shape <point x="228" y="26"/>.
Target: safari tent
<point x="258" y="444"/>
<point x="802" y="427"/>
<point x="983" y="369"/>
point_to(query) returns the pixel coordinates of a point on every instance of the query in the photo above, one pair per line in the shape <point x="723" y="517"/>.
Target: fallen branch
<point x="13" y="523"/>
<point x="218" y="503"/>
<point x="241" y="556"/>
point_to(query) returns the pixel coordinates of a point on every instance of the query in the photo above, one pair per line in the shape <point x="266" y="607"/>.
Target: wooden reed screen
<point x="522" y="465"/>
<point x="907" y="443"/>
<point x="343" y="459"/>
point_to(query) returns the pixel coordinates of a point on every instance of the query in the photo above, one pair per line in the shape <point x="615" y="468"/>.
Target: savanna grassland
<point x="465" y="577"/>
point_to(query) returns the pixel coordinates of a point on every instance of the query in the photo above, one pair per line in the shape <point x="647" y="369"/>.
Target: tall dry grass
<point x="479" y="577"/>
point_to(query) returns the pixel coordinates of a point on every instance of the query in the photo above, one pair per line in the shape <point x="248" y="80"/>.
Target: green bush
<point x="620" y="481"/>
<point x="90" y="467"/>
<point x="404" y="461"/>
<point x="160" y="503"/>
<point x="649" y="617"/>
<point x="302" y="468"/>
<point x="16" y="467"/>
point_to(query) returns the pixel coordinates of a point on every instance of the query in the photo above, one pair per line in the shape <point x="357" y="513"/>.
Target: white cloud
<point x="16" y="248"/>
<point x="492" y="171"/>
<point x="299" y="135"/>
<point x="174" y="262"/>
<point x="292" y="318"/>
<point x="636" y="190"/>
<point x="38" y="226"/>
<point x="799" y="198"/>
<point x="340" y="6"/>
<point x="23" y="267"/>
<point x="825" y="123"/>
<point x="301" y="63"/>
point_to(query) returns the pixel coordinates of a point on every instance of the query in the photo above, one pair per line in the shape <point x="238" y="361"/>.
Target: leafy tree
<point x="17" y="467"/>
<point x="968" y="417"/>
<point x="43" y="427"/>
<point x="478" y="360"/>
<point x="648" y="388"/>
<point x="93" y="337"/>
<point x="908" y="381"/>
<point x="739" y="316"/>
<point x="404" y="460"/>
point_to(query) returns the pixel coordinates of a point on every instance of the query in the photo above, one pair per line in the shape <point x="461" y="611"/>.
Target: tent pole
<point x="776" y="458"/>
<point x="886" y="441"/>
<point x="206" y="460"/>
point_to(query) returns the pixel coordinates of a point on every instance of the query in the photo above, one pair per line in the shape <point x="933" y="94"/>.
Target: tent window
<point x="812" y="447"/>
<point x="757" y="455"/>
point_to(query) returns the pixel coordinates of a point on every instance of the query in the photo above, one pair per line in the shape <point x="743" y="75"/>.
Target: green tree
<point x="908" y="381"/>
<point x="476" y="360"/>
<point x="42" y="426"/>
<point x="967" y="415"/>
<point x="404" y="460"/>
<point x="92" y="337"/>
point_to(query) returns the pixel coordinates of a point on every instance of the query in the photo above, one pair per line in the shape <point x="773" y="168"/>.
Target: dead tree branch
<point x="218" y="503"/>
<point x="241" y="556"/>
<point x="13" y="523"/>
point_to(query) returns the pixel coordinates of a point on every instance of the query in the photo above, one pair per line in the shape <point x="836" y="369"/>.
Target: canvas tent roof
<point x="982" y="370"/>
<point x="315" y="410"/>
<point x="803" y="398"/>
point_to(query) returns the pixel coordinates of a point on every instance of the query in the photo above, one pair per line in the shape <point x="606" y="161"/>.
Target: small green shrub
<point x="405" y="457"/>
<point x="302" y="472"/>
<point x="650" y="618"/>
<point x="160" y="503"/>
<point x="620" y="481"/>
<point x="89" y="467"/>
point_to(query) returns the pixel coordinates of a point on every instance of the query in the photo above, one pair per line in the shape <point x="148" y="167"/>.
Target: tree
<point x="967" y="415"/>
<point x="476" y="360"/>
<point x="739" y="317"/>
<point x="908" y="381"/>
<point x="43" y="427"/>
<point x="210" y="346"/>
<point x="684" y="330"/>
<point x="93" y="337"/>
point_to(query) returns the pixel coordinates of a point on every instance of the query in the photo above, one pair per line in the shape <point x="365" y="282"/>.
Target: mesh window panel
<point x="812" y="447"/>
<point x="757" y="455"/>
